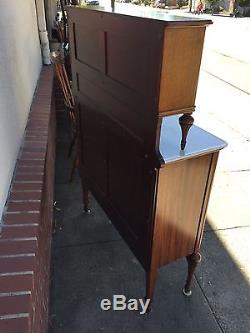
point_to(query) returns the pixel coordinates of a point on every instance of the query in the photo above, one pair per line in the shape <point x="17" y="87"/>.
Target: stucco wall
<point x="20" y="65"/>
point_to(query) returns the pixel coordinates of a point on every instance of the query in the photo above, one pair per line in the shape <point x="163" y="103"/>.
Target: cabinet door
<point x="130" y="183"/>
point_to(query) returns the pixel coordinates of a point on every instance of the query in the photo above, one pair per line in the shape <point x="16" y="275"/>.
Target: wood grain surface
<point x="182" y="53"/>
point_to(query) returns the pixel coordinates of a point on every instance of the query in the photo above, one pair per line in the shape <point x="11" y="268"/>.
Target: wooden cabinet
<point x="132" y="74"/>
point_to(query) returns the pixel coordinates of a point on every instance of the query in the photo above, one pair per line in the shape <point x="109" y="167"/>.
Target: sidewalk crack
<point x="209" y="305"/>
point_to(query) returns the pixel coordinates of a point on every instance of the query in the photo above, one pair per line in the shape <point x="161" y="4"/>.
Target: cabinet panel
<point x="180" y="197"/>
<point x="123" y="62"/>
<point x="87" y="46"/>
<point x="94" y="142"/>
<point x="180" y="68"/>
<point x="130" y="184"/>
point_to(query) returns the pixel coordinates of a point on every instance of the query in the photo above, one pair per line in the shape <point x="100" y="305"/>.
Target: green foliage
<point x="212" y="3"/>
<point x="244" y="3"/>
<point x="146" y="2"/>
<point x="181" y="3"/>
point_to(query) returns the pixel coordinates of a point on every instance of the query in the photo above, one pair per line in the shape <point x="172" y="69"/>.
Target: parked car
<point x="92" y="2"/>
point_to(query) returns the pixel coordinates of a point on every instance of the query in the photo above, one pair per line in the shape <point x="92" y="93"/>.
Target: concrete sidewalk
<point x="91" y="262"/>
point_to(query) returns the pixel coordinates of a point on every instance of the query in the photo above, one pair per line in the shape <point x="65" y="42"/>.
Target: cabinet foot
<point x="193" y="261"/>
<point x="187" y="293"/>
<point x="185" y="121"/>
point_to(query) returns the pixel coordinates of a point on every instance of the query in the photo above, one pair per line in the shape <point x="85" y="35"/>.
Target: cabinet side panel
<point x="181" y="192"/>
<point x="180" y="68"/>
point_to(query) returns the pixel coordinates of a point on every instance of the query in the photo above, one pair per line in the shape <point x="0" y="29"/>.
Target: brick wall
<point x="25" y="235"/>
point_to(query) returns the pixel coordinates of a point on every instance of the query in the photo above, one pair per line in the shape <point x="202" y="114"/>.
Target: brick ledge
<point x="25" y="232"/>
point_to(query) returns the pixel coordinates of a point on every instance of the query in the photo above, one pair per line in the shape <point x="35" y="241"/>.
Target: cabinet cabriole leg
<point x="193" y="261"/>
<point x="185" y="121"/>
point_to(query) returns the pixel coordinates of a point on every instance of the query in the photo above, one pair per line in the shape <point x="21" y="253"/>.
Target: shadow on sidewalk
<point x="90" y="262"/>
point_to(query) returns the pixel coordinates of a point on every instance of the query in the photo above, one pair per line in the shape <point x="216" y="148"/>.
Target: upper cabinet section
<point x="146" y="53"/>
<point x="135" y="66"/>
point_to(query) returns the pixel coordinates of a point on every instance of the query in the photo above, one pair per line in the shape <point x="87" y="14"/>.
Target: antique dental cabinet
<point x="134" y="79"/>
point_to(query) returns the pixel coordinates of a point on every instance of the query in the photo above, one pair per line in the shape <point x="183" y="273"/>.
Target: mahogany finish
<point x="129" y="72"/>
<point x="185" y="121"/>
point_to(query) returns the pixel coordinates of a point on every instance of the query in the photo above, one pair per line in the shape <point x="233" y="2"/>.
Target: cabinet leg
<point x="193" y="261"/>
<point x="185" y="121"/>
<point x="150" y="286"/>
<point x="86" y="200"/>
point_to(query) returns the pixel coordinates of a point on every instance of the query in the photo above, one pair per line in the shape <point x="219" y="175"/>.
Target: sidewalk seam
<point x="210" y="306"/>
<point x="87" y="243"/>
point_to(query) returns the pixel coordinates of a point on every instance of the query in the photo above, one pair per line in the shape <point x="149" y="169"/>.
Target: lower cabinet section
<point x="159" y="211"/>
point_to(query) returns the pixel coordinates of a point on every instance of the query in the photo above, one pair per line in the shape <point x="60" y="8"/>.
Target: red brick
<point x="18" y="247"/>
<point x="42" y="134"/>
<point x="25" y="196"/>
<point x="39" y="111"/>
<point x="15" y="304"/>
<point x="21" y="218"/>
<point x="34" y="146"/>
<point x="43" y="102"/>
<point x="42" y="128"/>
<point x="38" y="107"/>
<point x="26" y="189"/>
<point x="15" y="283"/>
<point x="23" y="162"/>
<point x="28" y="143"/>
<point x="32" y="132"/>
<point x="36" y="115"/>
<point x="27" y="186"/>
<point x="38" y="120"/>
<point x="19" y="264"/>
<point x="18" y="232"/>
<point x="26" y="206"/>
<point x="29" y="177"/>
<point x="36" y="138"/>
<point x="34" y="150"/>
<point x="32" y="155"/>
<point x="44" y="84"/>
<point x="44" y="92"/>
<point x="18" y="325"/>
<point x="46" y="76"/>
